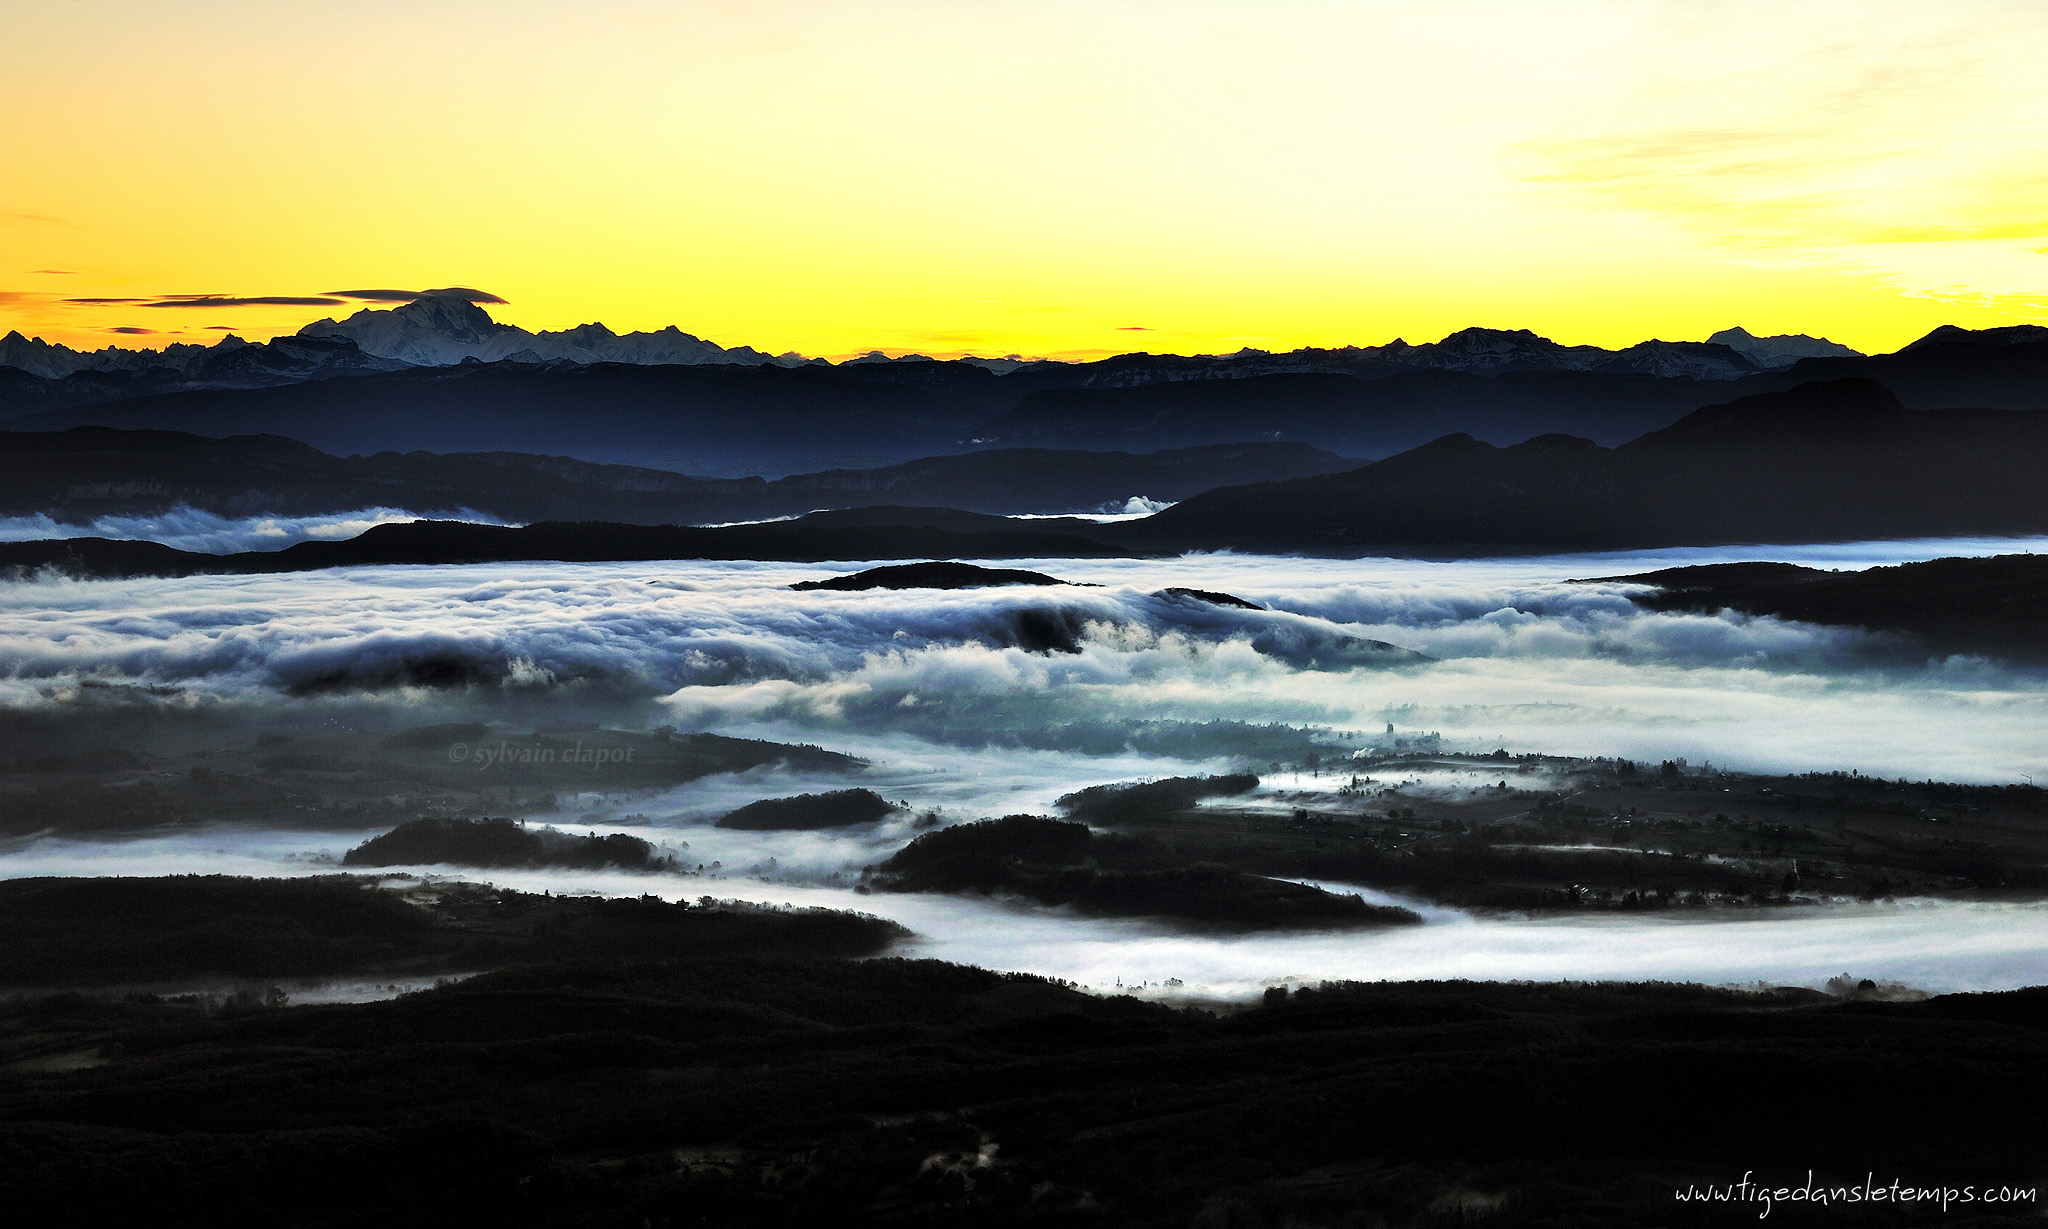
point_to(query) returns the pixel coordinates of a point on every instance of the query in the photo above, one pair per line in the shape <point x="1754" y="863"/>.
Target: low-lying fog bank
<point x="193" y="530"/>
<point x="1933" y="945"/>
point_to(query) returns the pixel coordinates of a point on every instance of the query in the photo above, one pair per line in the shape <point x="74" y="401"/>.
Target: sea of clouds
<point x="925" y="684"/>
<point x="1488" y="653"/>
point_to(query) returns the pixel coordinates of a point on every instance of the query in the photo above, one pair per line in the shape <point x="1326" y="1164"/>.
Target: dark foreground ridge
<point x="1992" y="605"/>
<point x="214" y="928"/>
<point x="1055" y="862"/>
<point x="933" y="575"/>
<point x="771" y="1091"/>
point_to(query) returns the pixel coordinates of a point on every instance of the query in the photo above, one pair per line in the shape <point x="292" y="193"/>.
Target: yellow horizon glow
<point x="1040" y="177"/>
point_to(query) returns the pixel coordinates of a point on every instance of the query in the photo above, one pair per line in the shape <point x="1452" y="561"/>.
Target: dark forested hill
<point x="1825" y="461"/>
<point x="771" y="1091"/>
<point x="1833" y="461"/>
<point x="807" y="539"/>
<point x="1997" y="605"/>
<point x="721" y="420"/>
<point x="1358" y="417"/>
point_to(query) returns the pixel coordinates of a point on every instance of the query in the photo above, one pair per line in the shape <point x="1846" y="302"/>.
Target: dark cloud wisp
<point x="229" y="300"/>
<point x="465" y="293"/>
<point x="332" y="298"/>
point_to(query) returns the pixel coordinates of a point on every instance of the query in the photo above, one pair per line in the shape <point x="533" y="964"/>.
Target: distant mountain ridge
<point x="1840" y="460"/>
<point x="1837" y="460"/>
<point x="441" y="330"/>
<point x="80" y="475"/>
<point x="1781" y="351"/>
<point x="52" y="361"/>
<point x="730" y="420"/>
<point x="1383" y="415"/>
<point x="2010" y="335"/>
<point x="35" y="375"/>
<point x="1350" y="414"/>
<point x="675" y="401"/>
<point x="445" y="331"/>
<point x="724" y="420"/>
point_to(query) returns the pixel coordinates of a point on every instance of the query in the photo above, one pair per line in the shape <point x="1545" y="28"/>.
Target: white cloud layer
<point x="1523" y="659"/>
<point x="925" y="685"/>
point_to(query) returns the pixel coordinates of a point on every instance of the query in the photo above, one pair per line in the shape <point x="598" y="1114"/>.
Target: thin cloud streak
<point x="464" y="293"/>
<point x="262" y="300"/>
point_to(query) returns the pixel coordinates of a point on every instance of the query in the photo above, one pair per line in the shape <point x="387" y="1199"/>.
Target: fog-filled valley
<point x="1032" y="891"/>
<point x="1521" y="653"/>
<point x="267" y="725"/>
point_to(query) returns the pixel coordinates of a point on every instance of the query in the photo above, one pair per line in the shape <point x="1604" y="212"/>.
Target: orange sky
<point x="1032" y="177"/>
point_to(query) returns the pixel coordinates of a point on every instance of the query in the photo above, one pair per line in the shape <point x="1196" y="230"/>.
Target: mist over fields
<point x="1930" y="945"/>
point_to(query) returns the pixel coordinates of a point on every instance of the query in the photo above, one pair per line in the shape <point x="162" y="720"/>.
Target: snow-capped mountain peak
<point x="427" y="332"/>
<point x="1782" y="350"/>
<point x="441" y="332"/>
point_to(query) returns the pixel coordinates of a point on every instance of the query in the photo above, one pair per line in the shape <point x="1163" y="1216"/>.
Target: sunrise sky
<point x="1047" y="178"/>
